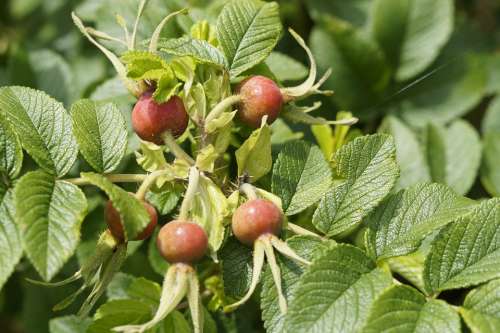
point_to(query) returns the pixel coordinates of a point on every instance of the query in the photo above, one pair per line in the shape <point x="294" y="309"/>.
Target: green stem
<point x="148" y="182"/>
<point x="118" y="178"/>
<point x="249" y="191"/>
<point x="194" y="179"/>
<point x="223" y="105"/>
<point x="176" y="149"/>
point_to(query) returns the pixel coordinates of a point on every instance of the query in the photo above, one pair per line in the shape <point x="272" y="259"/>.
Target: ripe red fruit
<point x="114" y="222"/>
<point x="150" y="119"/>
<point x="182" y="241"/>
<point x="255" y="218"/>
<point x="260" y="96"/>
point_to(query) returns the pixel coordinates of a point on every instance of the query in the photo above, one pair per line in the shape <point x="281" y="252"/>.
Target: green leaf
<point x="11" y="247"/>
<point x="11" y="153"/>
<point x="490" y="172"/>
<point x="134" y="216"/>
<point x="466" y="252"/>
<point x="411" y="32"/>
<point x="144" y="65"/>
<point x="236" y="262"/>
<point x="300" y="176"/>
<point x="254" y="155"/>
<point x="403" y="309"/>
<point x="361" y="71"/>
<point x="481" y="308"/>
<point x="401" y="222"/>
<point x="208" y="209"/>
<point x="69" y="324"/>
<point x="286" y="68"/>
<point x="247" y="31"/>
<point x="453" y="154"/>
<point x="120" y="312"/>
<point x="200" y="50"/>
<point x="410" y="267"/>
<point x="157" y="262"/>
<point x="49" y="213"/>
<point x="175" y="323"/>
<point x="491" y="120"/>
<point x="101" y="134"/>
<point x="43" y="125"/>
<point x="53" y="75"/>
<point x="336" y="292"/>
<point x="306" y="247"/>
<point x="166" y="199"/>
<point x="409" y="153"/>
<point x="355" y="11"/>
<point x="456" y="87"/>
<point x="368" y="170"/>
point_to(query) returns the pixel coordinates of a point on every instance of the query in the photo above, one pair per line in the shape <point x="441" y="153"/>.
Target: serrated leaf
<point x="410" y="267"/>
<point x="101" y="134"/>
<point x="254" y="155"/>
<point x="409" y="153"/>
<point x="247" y="31"/>
<point x="200" y="50"/>
<point x="336" y="292"/>
<point x="11" y="153"/>
<point x="401" y="222"/>
<point x="134" y="216"/>
<point x="166" y="199"/>
<point x="405" y="310"/>
<point x="481" y="308"/>
<point x="43" y="125"/>
<point x="411" y="32"/>
<point x="144" y="65"/>
<point x="49" y="213"/>
<point x="306" y="247"/>
<point x="301" y="176"/>
<point x="11" y="247"/>
<point x="367" y="166"/>
<point x="236" y="262"/>
<point x="453" y="154"/>
<point x="466" y="252"/>
<point x="69" y="324"/>
<point x="120" y="312"/>
<point x="286" y="68"/>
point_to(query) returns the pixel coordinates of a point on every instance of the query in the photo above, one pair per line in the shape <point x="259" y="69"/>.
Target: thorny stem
<point x="148" y="182"/>
<point x="194" y="177"/>
<point x="249" y="191"/>
<point x="223" y="105"/>
<point x="118" y="178"/>
<point x="176" y="149"/>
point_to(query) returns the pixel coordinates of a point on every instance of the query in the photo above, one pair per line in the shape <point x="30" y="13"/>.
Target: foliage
<point x="396" y="217"/>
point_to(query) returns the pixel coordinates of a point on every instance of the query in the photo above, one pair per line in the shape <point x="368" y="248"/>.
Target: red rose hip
<point x="260" y="96"/>
<point x="255" y="218"/>
<point x="150" y="119"/>
<point x="113" y="221"/>
<point x="182" y="242"/>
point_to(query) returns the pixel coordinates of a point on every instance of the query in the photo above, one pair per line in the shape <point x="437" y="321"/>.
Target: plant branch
<point x="223" y="105"/>
<point x="148" y="182"/>
<point x="194" y="179"/>
<point x="249" y="191"/>
<point x="117" y="178"/>
<point x="176" y="149"/>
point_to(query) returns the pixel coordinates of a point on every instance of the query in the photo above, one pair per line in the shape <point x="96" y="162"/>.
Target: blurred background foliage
<point x="426" y="71"/>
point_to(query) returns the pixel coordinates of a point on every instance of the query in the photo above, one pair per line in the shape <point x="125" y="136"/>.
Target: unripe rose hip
<point x="150" y="119"/>
<point x="255" y="218"/>
<point x="260" y="96"/>
<point x="182" y="242"/>
<point x="113" y="221"/>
